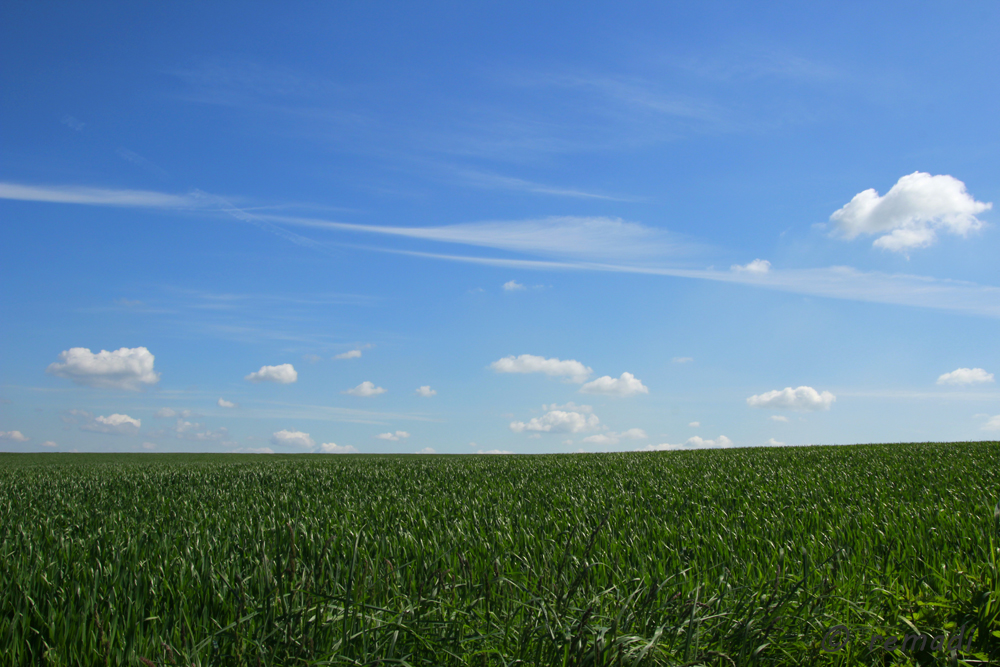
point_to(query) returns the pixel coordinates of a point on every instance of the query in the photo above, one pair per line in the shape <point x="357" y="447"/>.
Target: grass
<point x="726" y="557"/>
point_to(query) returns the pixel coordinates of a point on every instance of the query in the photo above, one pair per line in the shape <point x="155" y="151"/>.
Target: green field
<point x="726" y="557"/>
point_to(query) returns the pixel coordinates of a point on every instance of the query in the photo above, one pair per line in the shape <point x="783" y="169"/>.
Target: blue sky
<point x="382" y="227"/>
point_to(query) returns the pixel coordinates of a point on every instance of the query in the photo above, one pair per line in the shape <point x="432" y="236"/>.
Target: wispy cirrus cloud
<point x="597" y="244"/>
<point x="75" y="194"/>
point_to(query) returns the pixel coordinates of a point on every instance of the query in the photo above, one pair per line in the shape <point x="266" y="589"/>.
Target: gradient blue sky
<point x="720" y="200"/>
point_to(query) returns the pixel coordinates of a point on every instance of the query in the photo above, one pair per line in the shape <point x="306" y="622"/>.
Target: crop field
<point x="726" y="557"/>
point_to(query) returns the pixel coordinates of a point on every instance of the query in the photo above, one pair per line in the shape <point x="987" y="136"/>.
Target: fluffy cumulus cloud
<point x="395" y="437"/>
<point x="626" y="385"/>
<point x="722" y="442"/>
<point x="771" y="442"/>
<point x="16" y="436"/>
<point x="293" y="439"/>
<point x="966" y="376"/>
<point x="758" y="266"/>
<point x="558" y="421"/>
<point x="992" y="424"/>
<point x="802" y="398"/>
<point x="351" y="354"/>
<point x="281" y="374"/>
<point x="612" y="438"/>
<point x="334" y="448"/>
<point x="223" y="403"/>
<point x="426" y="391"/>
<point x="115" y="424"/>
<point x="365" y="389"/>
<point x="570" y="369"/>
<point x="512" y="286"/>
<point x="125" y="368"/>
<point x="911" y="213"/>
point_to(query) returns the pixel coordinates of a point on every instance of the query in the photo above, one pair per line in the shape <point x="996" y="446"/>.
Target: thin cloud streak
<point x="593" y="238"/>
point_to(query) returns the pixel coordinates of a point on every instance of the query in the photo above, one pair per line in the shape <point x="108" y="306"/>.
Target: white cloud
<point x="426" y="391"/>
<point x="912" y="212"/>
<point x="626" y="385"/>
<point x="571" y="369"/>
<point x="69" y="194"/>
<point x="48" y="443"/>
<point x="758" y="266"/>
<point x="802" y="398"/>
<point x="558" y="421"/>
<point x="223" y="403"/>
<point x="966" y="376"/>
<point x="115" y="424"/>
<point x="334" y="448"/>
<point x="366" y="388"/>
<point x="149" y="445"/>
<point x="694" y="424"/>
<point x="186" y="430"/>
<point x="167" y="413"/>
<point x="682" y="360"/>
<point x="293" y="438"/>
<point x="771" y="442"/>
<point x="778" y="418"/>
<point x="395" y="437"/>
<point x="567" y="236"/>
<point x="494" y="451"/>
<point x="16" y="436"/>
<point x="352" y="354"/>
<point x="722" y="442"/>
<point x="513" y="286"/>
<point x="612" y="438"/>
<point x="253" y="450"/>
<point x="125" y="368"/>
<point x="427" y="450"/>
<point x="992" y="424"/>
<point x="281" y="374"/>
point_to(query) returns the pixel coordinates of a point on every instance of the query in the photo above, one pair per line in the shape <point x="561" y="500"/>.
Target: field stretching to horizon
<point x="724" y="557"/>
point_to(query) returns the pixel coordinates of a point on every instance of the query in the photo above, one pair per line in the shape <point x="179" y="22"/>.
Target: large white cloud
<point x="626" y="385"/>
<point x="558" y="421"/>
<point x="115" y="424"/>
<point x="697" y="442"/>
<point x="293" y="438"/>
<point x="16" y="436"/>
<point x="801" y="398"/>
<point x="223" y="403"/>
<point x="334" y="448"/>
<point x="966" y="376"/>
<point x="125" y="368"/>
<point x="426" y="391"/>
<point x="911" y="213"/>
<point x="365" y="389"/>
<point x="282" y="374"/>
<point x="571" y="369"/>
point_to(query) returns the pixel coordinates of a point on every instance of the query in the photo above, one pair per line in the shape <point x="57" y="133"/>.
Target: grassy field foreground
<point x="728" y="557"/>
